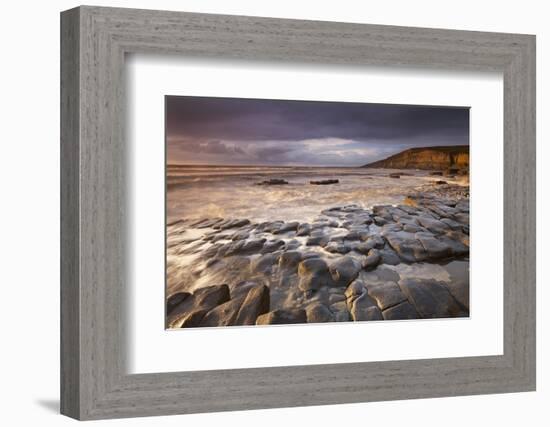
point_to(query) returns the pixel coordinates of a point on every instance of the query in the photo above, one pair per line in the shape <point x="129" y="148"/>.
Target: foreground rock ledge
<point x="408" y="261"/>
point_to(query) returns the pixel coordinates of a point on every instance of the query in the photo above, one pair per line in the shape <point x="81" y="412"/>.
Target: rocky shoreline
<point x="350" y="264"/>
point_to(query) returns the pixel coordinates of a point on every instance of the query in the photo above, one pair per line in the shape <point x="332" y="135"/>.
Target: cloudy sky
<point x="234" y="131"/>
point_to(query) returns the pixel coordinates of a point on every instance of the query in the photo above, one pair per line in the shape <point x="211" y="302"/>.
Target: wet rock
<point x="372" y="259"/>
<point x="407" y="246"/>
<point x="241" y="289"/>
<point x="336" y="247"/>
<point x="208" y="223"/>
<point x="458" y="248"/>
<point x="317" y="238"/>
<point x="263" y="264"/>
<point x="335" y="298"/>
<point x="240" y="235"/>
<point x="290" y="259"/>
<point x="234" y="224"/>
<point x="303" y="230"/>
<point x="272" y="246"/>
<point x="386" y="295"/>
<point x="453" y="225"/>
<point x="314" y="274"/>
<point x="273" y="181"/>
<point x="431" y="298"/>
<point x="324" y="182"/>
<point x="355" y="289"/>
<point x="400" y="311"/>
<point x="340" y="312"/>
<point x="411" y="228"/>
<point x="388" y="256"/>
<point x="202" y="299"/>
<point x="175" y="300"/>
<point x="224" y="314"/>
<point x="255" y="304"/>
<point x="344" y="270"/>
<point x="317" y="313"/>
<point x="282" y="317"/>
<point x="433" y="225"/>
<point x="378" y="220"/>
<point x="286" y="227"/>
<point x="292" y="245"/>
<point x="364" y="308"/>
<point x="436" y="173"/>
<point x="435" y="248"/>
<point x="394" y="175"/>
<point x="390" y="228"/>
<point x="193" y="319"/>
<point x="242" y="247"/>
<point x="459" y="285"/>
<point x="463" y="218"/>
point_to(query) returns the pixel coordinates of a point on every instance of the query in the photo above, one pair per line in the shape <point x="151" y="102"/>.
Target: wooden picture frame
<point x="94" y="382"/>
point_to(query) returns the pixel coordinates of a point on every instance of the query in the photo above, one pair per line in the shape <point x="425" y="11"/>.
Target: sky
<point x="237" y="131"/>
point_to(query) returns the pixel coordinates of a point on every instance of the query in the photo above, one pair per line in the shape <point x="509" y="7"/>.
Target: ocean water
<point x="196" y="192"/>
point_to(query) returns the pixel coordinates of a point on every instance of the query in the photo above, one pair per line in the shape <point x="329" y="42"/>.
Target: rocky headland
<point x="389" y="262"/>
<point x="456" y="157"/>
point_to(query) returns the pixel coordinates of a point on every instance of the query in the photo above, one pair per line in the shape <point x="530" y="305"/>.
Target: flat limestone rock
<point x="282" y="317"/>
<point x="433" y="225"/>
<point x="406" y="245"/>
<point x="386" y="295"/>
<point x="459" y="286"/>
<point x="400" y="311"/>
<point x="431" y="298"/>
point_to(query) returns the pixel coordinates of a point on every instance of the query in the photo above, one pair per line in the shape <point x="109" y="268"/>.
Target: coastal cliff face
<point x="428" y="158"/>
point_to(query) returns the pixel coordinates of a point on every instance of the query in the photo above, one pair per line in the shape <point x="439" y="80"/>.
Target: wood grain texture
<point x="95" y="383"/>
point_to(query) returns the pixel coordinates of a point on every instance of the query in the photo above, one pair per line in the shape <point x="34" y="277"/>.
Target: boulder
<point x="282" y="317"/>
<point x="290" y="259"/>
<point x="318" y="313"/>
<point x="272" y="246"/>
<point x="344" y="270"/>
<point x="273" y="181"/>
<point x="286" y="227"/>
<point x="202" y="299"/>
<point x="263" y="264"/>
<point x="193" y="319"/>
<point x="303" y="229"/>
<point x="174" y="300"/>
<point x="325" y="182"/>
<point x="224" y="314"/>
<point x="255" y="304"/>
<point x="364" y="308"/>
<point x="372" y="259"/>
<point x="314" y="274"/>
<point x="388" y="256"/>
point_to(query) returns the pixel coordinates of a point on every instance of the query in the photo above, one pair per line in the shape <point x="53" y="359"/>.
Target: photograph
<point x="306" y="212"/>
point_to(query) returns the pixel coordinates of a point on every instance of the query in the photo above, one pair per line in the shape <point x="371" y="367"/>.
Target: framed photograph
<point x="262" y="213"/>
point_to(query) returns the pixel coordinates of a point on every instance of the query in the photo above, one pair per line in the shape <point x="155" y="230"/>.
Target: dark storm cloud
<point x="268" y="131"/>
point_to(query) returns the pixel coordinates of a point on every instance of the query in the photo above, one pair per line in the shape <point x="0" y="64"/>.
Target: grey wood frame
<point x="94" y="41"/>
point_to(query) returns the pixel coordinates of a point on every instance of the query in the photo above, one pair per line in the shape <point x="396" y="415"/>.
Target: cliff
<point x="456" y="156"/>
